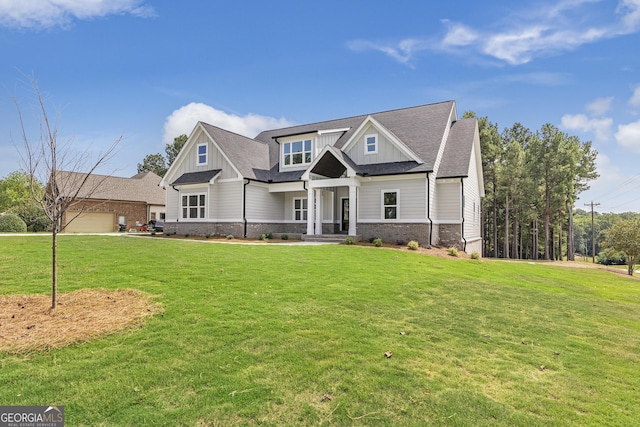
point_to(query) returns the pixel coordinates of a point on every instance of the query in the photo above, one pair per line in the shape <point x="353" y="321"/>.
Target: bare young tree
<point x="67" y="174"/>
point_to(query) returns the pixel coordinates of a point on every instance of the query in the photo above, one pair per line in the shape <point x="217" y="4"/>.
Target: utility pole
<point x="593" y="240"/>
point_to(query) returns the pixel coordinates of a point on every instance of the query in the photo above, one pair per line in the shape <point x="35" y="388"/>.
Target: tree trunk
<point x="571" y="250"/>
<point x="495" y="222"/>
<point x="54" y="267"/>
<point x="506" y="228"/>
<point x="514" y="244"/>
<point x="547" y="220"/>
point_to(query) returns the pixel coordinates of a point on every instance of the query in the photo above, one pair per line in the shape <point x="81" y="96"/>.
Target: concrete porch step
<point x="327" y="238"/>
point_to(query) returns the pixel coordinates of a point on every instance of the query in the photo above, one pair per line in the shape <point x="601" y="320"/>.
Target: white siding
<point x="288" y="203"/>
<point x="228" y="200"/>
<point x="448" y="201"/>
<point x="387" y="151"/>
<point x="452" y="118"/>
<point x="324" y="140"/>
<point x="262" y="205"/>
<point x="172" y="204"/>
<point x="411" y="204"/>
<point x="472" y="223"/>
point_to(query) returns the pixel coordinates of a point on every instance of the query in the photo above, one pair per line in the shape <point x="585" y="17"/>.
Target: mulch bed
<point x="27" y="322"/>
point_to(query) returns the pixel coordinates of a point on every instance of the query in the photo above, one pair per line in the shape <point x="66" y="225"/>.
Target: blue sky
<point x="148" y="70"/>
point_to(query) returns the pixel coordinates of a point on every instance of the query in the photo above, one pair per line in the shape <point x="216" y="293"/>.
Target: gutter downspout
<point x="178" y="205"/>
<point x="244" y="206"/>
<point x="464" y="247"/>
<point x="429" y="210"/>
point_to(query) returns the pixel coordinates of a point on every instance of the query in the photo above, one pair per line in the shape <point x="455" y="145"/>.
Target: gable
<point x="385" y="148"/>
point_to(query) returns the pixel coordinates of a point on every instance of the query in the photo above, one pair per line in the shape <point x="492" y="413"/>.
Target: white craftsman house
<point x="400" y="175"/>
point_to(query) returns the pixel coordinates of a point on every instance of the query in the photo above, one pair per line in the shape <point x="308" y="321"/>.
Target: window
<point x="297" y="152"/>
<point x="390" y="204"/>
<point x="300" y="209"/>
<point x="370" y="144"/>
<point x="202" y="154"/>
<point x="193" y="206"/>
<point x="162" y="216"/>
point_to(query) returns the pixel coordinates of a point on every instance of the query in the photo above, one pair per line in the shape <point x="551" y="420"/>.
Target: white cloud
<point x="51" y="13"/>
<point x="635" y="98"/>
<point x="543" y="29"/>
<point x="184" y="119"/>
<point x="600" y="106"/>
<point x="580" y="122"/>
<point x="628" y="136"/>
<point x="459" y="35"/>
<point x="402" y="51"/>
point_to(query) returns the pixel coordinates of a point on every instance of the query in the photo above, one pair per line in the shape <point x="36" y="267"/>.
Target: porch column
<point x="352" y="209"/>
<point x="310" y="211"/>
<point x="318" y="209"/>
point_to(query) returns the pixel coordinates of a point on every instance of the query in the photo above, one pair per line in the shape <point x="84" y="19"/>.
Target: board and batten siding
<point x="472" y="222"/>
<point x="448" y="201"/>
<point x="215" y="160"/>
<point x="387" y="151"/>
<point x="262" y="205"/>
<point x="323" y="140"/>
<point x="172" y="207"/>
<point x="412" y="197"/>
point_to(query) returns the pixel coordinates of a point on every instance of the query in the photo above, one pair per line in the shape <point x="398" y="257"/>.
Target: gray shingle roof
<point x="196" y="177"/>
<point x="249" y="156"/>
<point x="420" y="128"/>
<point x="142" y="187"/>
<point x="457" y="152"/>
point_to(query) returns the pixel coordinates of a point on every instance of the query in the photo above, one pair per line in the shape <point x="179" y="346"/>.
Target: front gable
<point x="330" y="163"/>
<point x="200" y="154"/>
<point x="372" y="143"/>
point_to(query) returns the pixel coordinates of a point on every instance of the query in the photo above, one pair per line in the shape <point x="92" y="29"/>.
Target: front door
<point x="345" y="215"/>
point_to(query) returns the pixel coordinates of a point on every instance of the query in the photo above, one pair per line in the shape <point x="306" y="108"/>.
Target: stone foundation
<point x="451" y="235"/>
<point x="395" y="233"/>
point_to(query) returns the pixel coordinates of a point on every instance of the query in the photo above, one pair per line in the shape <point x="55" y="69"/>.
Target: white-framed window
<point x="193" y="206"/>
<point x="296" y="152"/>
<point x="300" y="209"/>
<point x="390" y="204"/>
<point x="371" y="144"/>
<point x="202" y="154"/>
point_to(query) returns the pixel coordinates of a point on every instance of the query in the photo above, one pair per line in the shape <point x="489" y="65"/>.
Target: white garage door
<point x="91" y="222"/>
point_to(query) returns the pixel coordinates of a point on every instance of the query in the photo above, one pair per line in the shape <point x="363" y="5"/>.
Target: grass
<point x="257" y="335"/>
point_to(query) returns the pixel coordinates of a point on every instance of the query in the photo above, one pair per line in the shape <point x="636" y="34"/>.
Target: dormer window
<point x="296" y="152"/>
<point x="371" y="144"/>
<point x="202" y="154"/>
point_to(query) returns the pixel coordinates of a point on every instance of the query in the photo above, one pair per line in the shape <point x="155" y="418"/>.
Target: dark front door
<point x="345" y="215"/>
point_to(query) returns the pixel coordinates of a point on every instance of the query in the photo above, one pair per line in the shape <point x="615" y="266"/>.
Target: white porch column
<point x="310" y="211"/>
<point x="318" y="213"/>
<point x="352" y="209"/>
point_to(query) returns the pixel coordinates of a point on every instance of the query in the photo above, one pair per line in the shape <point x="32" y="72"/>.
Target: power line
<point x="593" y="240"/>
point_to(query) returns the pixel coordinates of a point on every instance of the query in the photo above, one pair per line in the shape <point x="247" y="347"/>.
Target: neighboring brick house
<point x="408" y="174"/>
<point x="105" y="202"/>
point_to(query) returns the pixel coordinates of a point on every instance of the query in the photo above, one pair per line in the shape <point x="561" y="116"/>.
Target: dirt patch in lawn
<point x="27" y="322"/>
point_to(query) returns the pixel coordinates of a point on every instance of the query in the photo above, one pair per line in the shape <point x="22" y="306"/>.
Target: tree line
<point x="532" y="180"/>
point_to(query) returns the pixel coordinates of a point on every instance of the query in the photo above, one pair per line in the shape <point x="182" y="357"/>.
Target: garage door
<point x="91" y="222"/>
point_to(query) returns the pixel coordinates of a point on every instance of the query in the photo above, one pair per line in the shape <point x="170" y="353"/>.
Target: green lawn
<point x="257" y="335"/>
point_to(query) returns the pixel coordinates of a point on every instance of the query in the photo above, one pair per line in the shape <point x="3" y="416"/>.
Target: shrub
<point x="269" y="235"/>
<point x="41" y="223"/>
<point x="229" y="236"/>
<point x="187" y="235"/>
<point x="413" y="245"/>
<point x="610" y="256"/>
<point x="453" y="251"/>
<point x="284" y="237"/>
<point x="475" y="255"/>
<point x="263" y="237"/>
<point x="206" y="236"/>
<point x="377" y="242"/>
<point x="349" y="241"/>
<point x="12" y="223"/>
